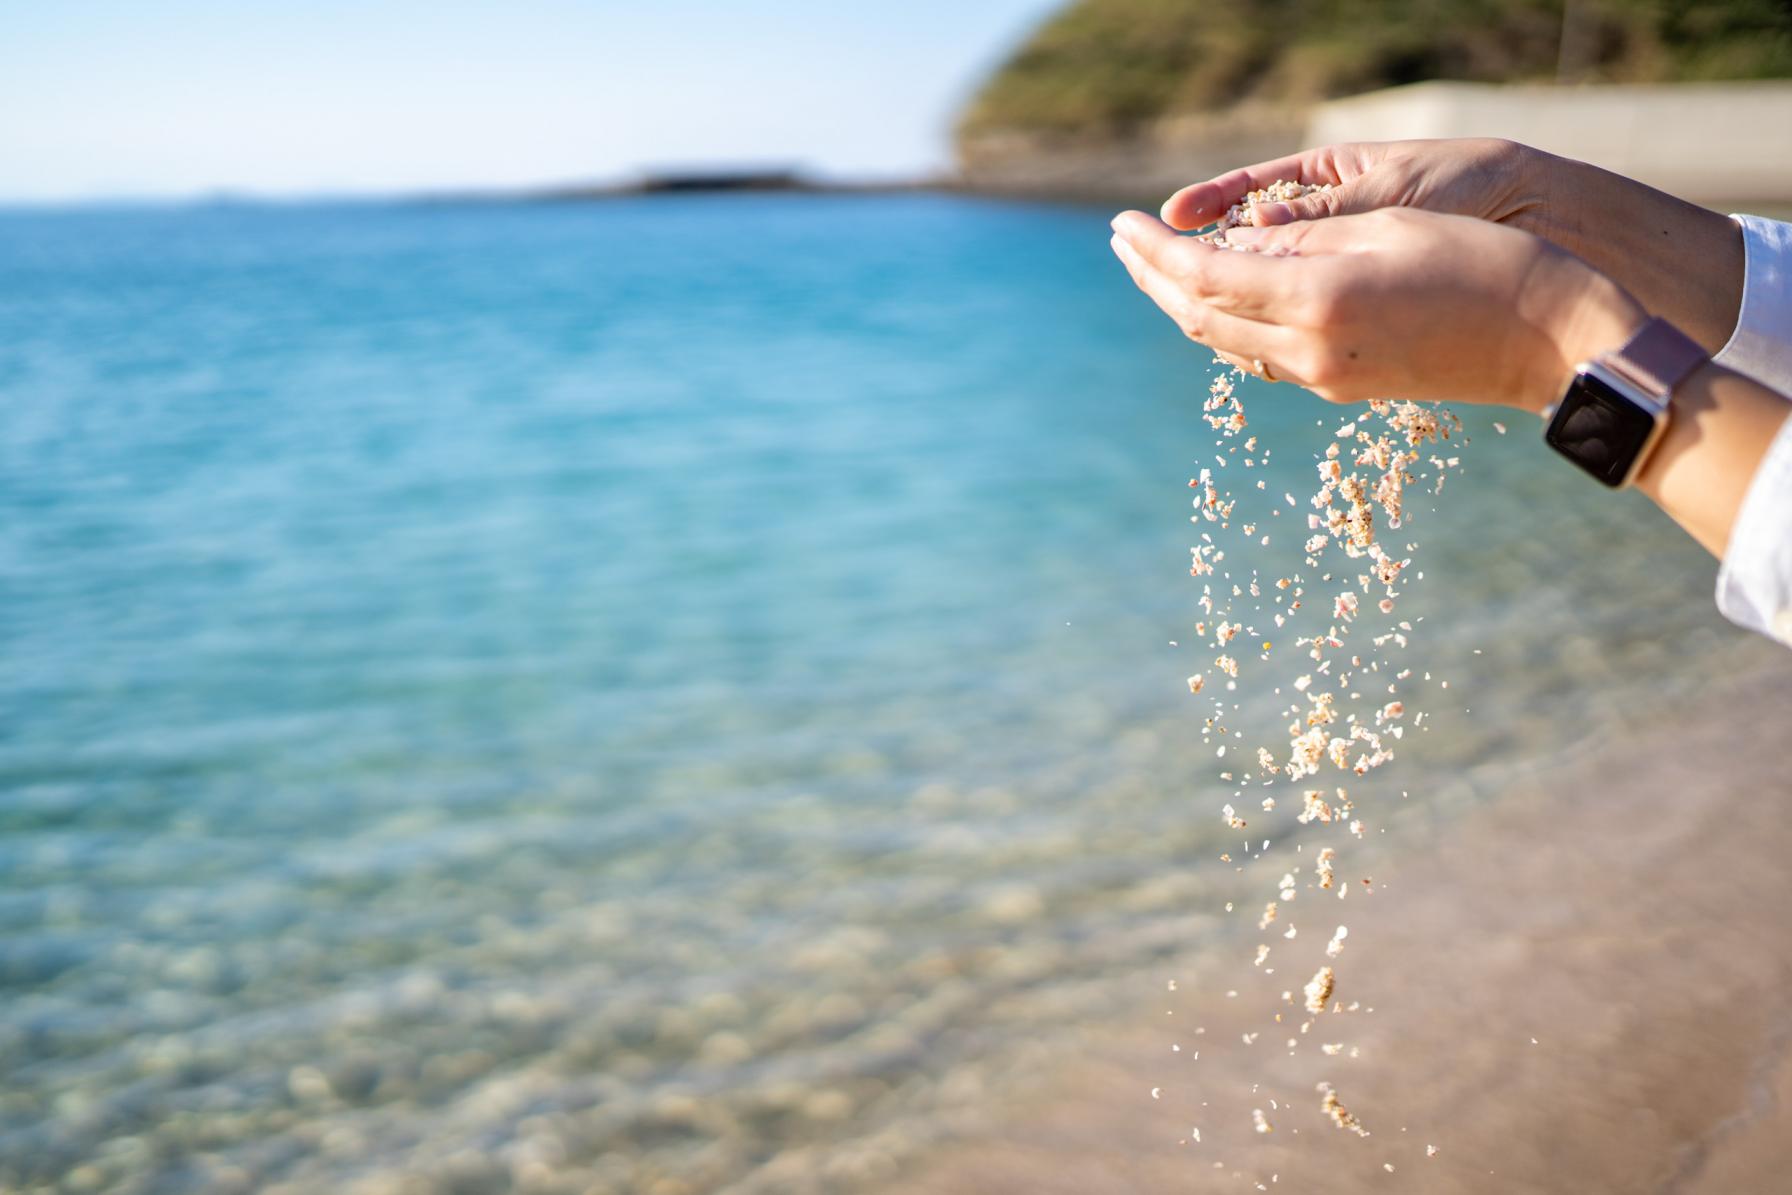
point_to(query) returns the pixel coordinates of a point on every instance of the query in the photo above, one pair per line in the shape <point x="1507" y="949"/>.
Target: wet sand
<point x="1632" y="912"/>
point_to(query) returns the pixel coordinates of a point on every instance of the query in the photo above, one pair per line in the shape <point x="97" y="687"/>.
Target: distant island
<point x="1108" y="89"/>
<point x="708" y="180"/>
<point x="686" y="180"/>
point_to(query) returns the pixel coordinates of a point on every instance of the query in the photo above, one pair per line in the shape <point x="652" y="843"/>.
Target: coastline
<point x="1625" y="911"/>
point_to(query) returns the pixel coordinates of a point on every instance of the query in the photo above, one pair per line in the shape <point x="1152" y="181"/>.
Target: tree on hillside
<point x="1109" y="67"/>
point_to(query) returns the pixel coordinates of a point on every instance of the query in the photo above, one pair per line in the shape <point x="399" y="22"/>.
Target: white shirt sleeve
<point x="1754" y="586"/>
<point x="1761" y="345"/>
<point x="1755" y="583"/>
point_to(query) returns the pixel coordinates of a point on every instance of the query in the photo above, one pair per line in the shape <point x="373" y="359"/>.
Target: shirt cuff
<point x="1761" y="345"/>
<point x="1754" y="586"/>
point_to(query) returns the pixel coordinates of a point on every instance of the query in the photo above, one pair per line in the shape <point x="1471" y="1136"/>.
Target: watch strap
<point x="1658" y="358"/>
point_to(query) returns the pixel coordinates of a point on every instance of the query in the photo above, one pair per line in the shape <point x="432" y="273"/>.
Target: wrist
<point x="1574" y="204"/>
<point x="1683" y="261"/>
<point x="1582" y="314"/>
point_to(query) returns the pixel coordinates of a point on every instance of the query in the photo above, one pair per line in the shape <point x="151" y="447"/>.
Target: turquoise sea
<point x="661" y="695"/>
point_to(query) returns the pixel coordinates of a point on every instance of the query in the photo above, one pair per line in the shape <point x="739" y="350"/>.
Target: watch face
<point x="1599" y="429"/>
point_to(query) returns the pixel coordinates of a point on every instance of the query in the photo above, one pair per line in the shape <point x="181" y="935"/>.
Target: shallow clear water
<point x="670" y="692"/>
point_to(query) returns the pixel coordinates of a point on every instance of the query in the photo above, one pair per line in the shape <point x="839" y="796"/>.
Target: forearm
<point x="1721" y="427"/>
<point x="1681" y="261"/>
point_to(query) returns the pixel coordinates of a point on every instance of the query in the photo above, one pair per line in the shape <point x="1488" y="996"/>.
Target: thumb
<point x="1340" y="200"/>
<point x="1298" y="237"/>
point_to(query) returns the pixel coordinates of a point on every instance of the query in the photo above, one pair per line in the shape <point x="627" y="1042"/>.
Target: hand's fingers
<point x="1203" y="203"/>
<point x="1308" y="238"/>
<point x="1244" y="341"/>
<point x="1247" y="284"/>
<point x="1243" y="366"/>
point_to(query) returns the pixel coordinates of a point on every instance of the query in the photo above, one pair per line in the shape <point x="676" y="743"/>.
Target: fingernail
<point x="1275" y="213"/>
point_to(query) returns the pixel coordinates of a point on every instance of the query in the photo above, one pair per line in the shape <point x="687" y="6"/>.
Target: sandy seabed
<point x="1631" y="912"/>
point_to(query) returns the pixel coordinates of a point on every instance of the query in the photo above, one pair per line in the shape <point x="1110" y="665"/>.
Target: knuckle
<point x="1325" y="306"/>
<point x="1330" y="299"/>
<point x="1321" y="366"/>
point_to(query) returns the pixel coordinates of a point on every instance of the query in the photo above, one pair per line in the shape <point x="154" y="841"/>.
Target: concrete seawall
<point x="1715" y="143"/>
<point x="1704" y="141"/>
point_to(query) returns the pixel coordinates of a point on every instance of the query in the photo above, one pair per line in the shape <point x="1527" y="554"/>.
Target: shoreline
<point x="1624" y="910"/>
<point x="1078" y="188"/>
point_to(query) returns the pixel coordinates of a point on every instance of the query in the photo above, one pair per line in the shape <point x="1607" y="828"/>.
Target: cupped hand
<point x="1482" y="177"/>
<point x="1394" y="303"/>
<point x="1680" y="260"/>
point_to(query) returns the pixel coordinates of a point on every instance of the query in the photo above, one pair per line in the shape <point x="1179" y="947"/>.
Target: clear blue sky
<point x="178" y="97"/>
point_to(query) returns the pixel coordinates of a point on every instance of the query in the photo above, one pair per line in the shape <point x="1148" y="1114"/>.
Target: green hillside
<point x="1106" y="67"/>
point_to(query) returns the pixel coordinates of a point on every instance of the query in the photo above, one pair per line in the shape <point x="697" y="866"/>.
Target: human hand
<point x="1490" y="179"/>
<point x="1394" y="303"/>
<point x="1682" y="261"/>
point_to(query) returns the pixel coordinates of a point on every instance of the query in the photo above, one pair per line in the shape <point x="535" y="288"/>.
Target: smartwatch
<point x="1616" y="406"/>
